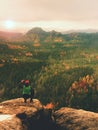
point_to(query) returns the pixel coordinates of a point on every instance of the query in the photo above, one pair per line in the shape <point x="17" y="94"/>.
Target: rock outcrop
<point x="17" y="115"/>
<point x="10" y="110"/>
<point x="73" y="119"/>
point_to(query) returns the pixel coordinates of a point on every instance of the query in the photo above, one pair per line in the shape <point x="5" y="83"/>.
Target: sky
<point x="59" y="15"/>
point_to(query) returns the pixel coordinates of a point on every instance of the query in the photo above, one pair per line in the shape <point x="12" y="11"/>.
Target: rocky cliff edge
<point x="17" y="115"/>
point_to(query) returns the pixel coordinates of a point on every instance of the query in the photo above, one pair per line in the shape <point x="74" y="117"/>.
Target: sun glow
<point x="9" y="24"/>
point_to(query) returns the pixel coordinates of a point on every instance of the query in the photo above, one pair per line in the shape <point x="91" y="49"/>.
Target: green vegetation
<point x="53" y="62"/>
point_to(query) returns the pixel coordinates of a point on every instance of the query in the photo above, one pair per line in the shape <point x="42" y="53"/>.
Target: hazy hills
<point x="81" y="31"/>
<point x="38" y="35"/>
<point x="35" y="35"/>
<point x="9" y="35"/>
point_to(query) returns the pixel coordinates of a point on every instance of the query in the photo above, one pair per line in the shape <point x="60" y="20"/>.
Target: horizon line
<point x="49" y="30"/>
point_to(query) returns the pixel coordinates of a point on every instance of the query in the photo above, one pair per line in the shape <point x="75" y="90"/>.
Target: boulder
<point x="76" y="119"/>
<point x="15" y="113"/>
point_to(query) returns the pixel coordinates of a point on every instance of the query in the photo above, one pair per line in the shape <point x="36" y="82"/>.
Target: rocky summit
<point x="17" y="115"/>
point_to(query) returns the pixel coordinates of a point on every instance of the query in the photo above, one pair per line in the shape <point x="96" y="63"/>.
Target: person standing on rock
<point x="28" y="92"/>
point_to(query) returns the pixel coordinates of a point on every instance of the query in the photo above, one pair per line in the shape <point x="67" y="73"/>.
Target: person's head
<point x="26" y="82"/>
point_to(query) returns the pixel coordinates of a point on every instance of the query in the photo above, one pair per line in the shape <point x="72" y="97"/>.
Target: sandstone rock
<point x="73" y="119"/>
<point x="17" y="115"/>
<point x="14" y="112"/>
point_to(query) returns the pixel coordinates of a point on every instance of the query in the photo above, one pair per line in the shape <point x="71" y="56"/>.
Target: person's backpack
<point x="32" y="92"/>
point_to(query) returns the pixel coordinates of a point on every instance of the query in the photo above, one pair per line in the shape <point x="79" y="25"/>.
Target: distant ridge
<point x="9" y="34"/>
<point x="38" y="35"/>
<point x="39" y="30"/>
<point x="36" y="30"/>
<point x="80" y="31"/>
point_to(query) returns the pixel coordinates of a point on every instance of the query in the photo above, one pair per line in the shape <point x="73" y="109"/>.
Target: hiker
<point x="28" y="92"/>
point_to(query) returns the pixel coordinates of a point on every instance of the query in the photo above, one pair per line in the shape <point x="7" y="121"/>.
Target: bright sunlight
<point x="9" y="24"/>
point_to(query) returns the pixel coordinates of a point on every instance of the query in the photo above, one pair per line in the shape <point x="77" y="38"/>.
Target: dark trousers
<point x="27" y="96"/>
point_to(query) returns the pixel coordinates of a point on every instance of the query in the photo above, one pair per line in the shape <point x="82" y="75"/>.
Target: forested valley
<point x="62" y="68"/>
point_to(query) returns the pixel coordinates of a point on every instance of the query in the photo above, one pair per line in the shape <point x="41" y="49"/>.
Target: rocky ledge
<point x="17" y="115"/>
<point x="73" y="119"/>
